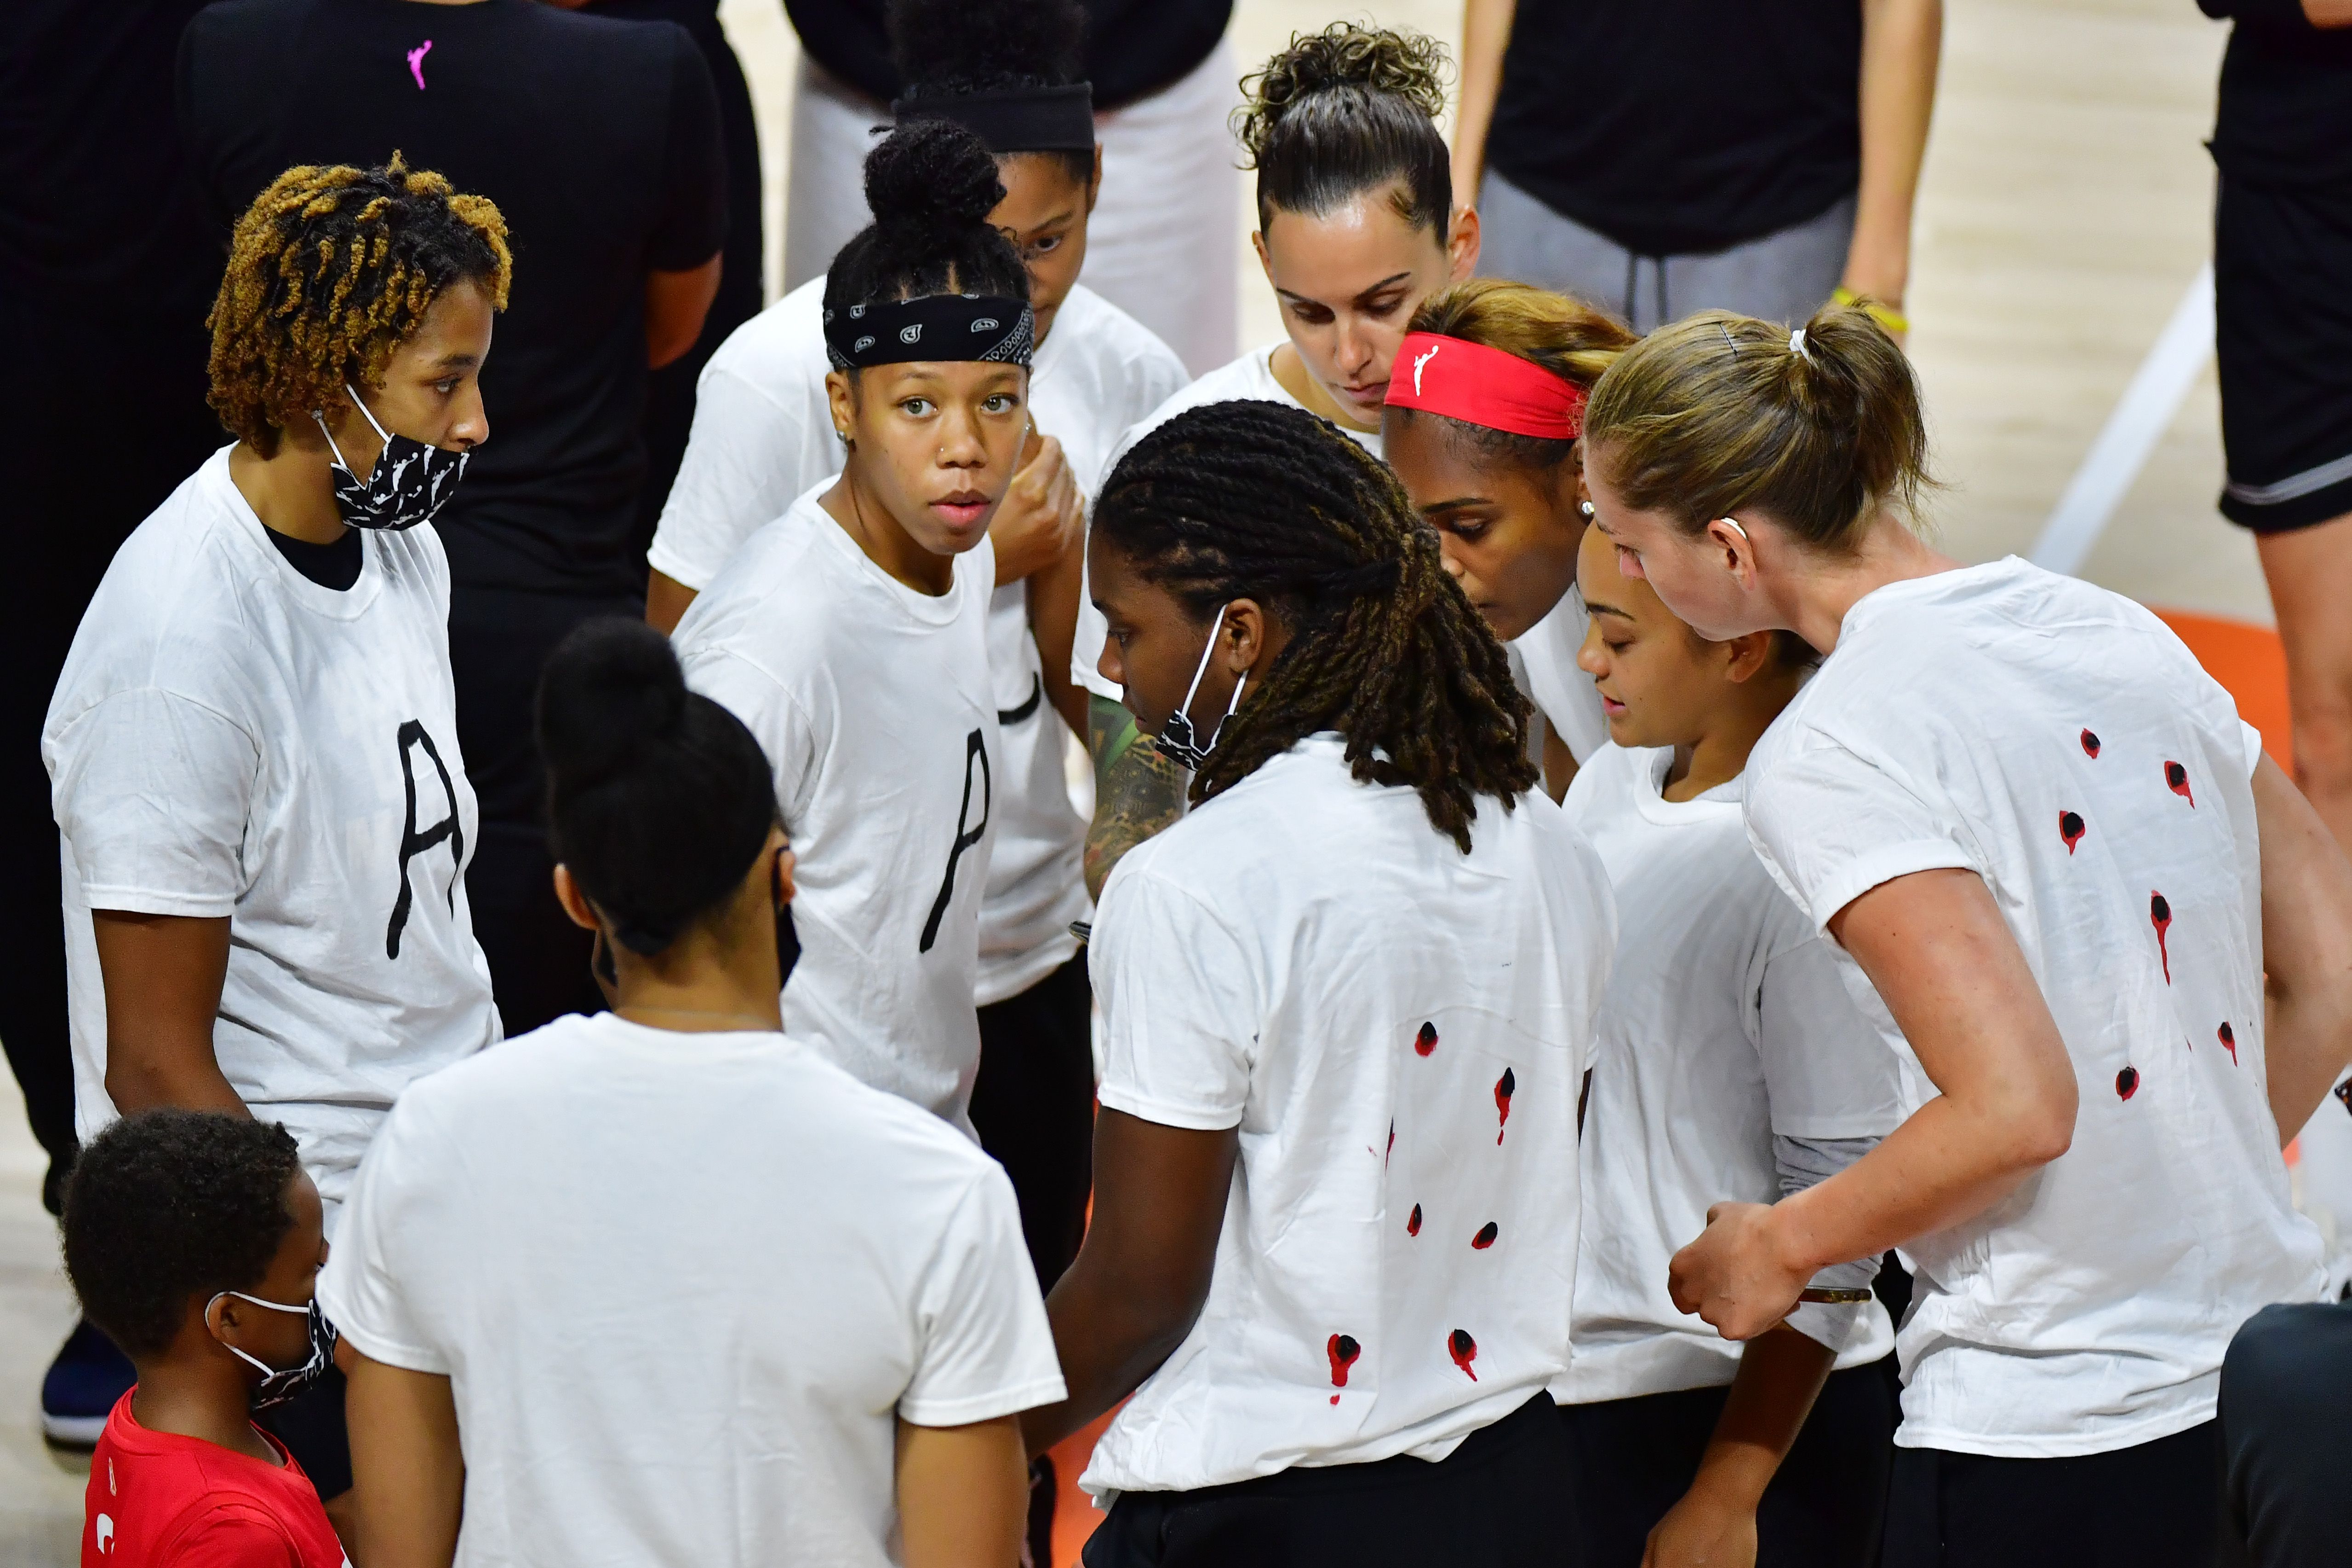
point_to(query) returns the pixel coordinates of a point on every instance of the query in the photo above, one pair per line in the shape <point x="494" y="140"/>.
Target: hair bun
<point x="986" y="46"/>
<point x="611" y="688"/>
<point x="931" y="177"/>
<point x="1385" y="61"/>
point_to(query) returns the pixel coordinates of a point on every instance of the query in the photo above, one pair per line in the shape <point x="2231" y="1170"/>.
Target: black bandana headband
<point x="950" y="327"/>
<point x="1023" y="120"/>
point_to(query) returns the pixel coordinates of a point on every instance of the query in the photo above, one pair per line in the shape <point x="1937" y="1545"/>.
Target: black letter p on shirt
<point x="413" y="842"/>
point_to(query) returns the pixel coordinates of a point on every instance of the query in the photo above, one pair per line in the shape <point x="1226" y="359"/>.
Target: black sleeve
<point x="2270" y="13"/>
<point x="690" y="223"/>
<point x="229" y="56"/>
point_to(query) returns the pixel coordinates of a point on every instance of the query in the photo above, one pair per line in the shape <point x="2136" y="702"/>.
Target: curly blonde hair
<point x="329" y="271"/>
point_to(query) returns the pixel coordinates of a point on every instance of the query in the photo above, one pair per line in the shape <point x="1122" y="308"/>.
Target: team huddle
<point x="1574" y="881"/>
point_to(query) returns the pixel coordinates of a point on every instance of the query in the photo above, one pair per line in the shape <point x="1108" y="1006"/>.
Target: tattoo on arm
<point x="1137" y="792"/>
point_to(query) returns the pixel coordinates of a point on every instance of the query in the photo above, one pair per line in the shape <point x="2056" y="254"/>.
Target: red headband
<point x="1480" y="386"/>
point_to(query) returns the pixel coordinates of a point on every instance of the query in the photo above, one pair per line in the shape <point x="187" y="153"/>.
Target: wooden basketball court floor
<point x="2064" y="222"/>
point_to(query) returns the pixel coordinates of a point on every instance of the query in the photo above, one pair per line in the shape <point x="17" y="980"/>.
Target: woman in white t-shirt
<point x="1356" y="227"/>
<point x="851" y="634"/>
<point x="662" y="1285"/>
<point x="253" y="748"/>
<point x="1348" y="1001"/>
<point x="763" y="436"/>
<point x="1729" y="1065"/>
<point x="2114" y="934"/>
<point x="1481" y="429"/>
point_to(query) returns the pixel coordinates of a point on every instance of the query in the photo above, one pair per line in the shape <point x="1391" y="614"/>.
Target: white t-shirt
<point x="681" y="1286"/>
<point x="763" y="435"/>
<point x="874" y="705"/>
<point x="1725" y="1024"/>
<point x="1399" y="1031"/>
<point x="1565" y="695"/>
<point x="230" y="738"/>
<point x="1248" y="379"/>
<point x="2058" y="741"/>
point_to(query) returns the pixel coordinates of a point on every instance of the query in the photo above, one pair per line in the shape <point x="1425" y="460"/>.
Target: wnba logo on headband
<point x="1484" y="386"/>
<point x="937" y="327"/>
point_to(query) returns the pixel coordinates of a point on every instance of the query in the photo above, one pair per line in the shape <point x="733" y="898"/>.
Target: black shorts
<point x="2283" y="298"/>
<point x="2287" y="1436"/>
<point x="1634" y="1458"/>
<point x="2155" y="1505"/>
<point x="1034" y="1108"/>
<point x="1504" y="1496"/>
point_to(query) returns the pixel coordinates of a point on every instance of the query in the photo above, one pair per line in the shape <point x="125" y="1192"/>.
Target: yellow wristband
<point x="1892" y="320"/>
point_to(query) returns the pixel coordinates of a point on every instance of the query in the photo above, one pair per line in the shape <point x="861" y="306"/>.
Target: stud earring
<point x="1585" y="507"/>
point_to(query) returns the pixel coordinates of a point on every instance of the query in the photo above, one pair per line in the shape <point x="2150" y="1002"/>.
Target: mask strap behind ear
<point x="381" y="434"/>
<point x="1192" y="690"/>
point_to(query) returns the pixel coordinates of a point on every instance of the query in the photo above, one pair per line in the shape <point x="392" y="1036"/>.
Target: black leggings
<point x="1634" y="1459"/>
<point x="1034" y="1106"/>
<point x="2154" y="1505"/>
<point x="1499" y="1499"/>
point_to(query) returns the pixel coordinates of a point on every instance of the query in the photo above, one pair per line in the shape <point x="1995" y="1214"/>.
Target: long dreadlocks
<point x="1262" y="501"/>
<point x="330" y="271"/>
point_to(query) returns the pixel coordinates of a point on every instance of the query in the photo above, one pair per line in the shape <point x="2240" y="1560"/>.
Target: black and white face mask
<point x="408" y="484"/>
<point x="1178" y="740"/>
<point x="279" y="1385"/>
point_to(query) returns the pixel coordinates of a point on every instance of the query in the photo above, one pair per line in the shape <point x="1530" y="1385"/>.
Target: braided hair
<point x="1259" y="500"/>
<point x="330" y="271"/>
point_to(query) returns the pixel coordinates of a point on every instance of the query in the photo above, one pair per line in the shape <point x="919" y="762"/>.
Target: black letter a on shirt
<point x="965" y="837"/>
<point x="412" y="842"/>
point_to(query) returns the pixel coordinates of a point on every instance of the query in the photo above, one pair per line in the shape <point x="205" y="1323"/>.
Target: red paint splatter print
<point x="2090" y="745"/>
<point x="2159" y="915"/>
<point x="1464" y="1349"/>
<point x="1485" y="1236"/>
<point x="2127" y="1083"/>
<point x="1343" y="1351"/>
<point x="1505" y="1087"/>
<point x="1412" y="1221"/>
<point x="2070" y="829"/>
<point x="2176" y="779"/>
<point x="2228" y="1037"/>
<point x="1426" y="1040"/>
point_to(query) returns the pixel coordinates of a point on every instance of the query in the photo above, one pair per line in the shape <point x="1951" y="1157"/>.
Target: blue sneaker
<point x="83" y="1384"/>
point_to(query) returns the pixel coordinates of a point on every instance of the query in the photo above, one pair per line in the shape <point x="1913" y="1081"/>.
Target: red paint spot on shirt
<point x="2090" y="745"/>
<point x="1485" y="1236"/>
<point x="1464" y="1349"/>
<point x="2070" y="829"/>
<point x="1412" y="1221"/>
<point x="1343" y="1351"/>
<point x="2127" y="1083"/>
<point x="2159" y="915"/>
<point x="2176" y="779"/>
<point x="1426" y="1040"/>
<point x="2229" y="1042"/>
<point x="1505" y="1087"/>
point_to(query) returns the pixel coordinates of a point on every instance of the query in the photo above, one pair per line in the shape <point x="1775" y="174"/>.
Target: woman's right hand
<point x="1041" y="514"/>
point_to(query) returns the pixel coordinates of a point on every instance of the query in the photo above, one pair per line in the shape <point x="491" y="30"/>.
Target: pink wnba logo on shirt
<point x="417" y="62"/>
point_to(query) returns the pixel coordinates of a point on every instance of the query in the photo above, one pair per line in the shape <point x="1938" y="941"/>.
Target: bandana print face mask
<point x="279" y="1385"/>
<point x="409" y="483"/>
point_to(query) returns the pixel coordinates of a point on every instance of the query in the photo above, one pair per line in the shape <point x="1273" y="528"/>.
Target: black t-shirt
<point x="599" y="140"/>
<point x="1134" y="47"/>
<point x="334" y="566"/>
<point x="93" y="200"/>
<point x="1682" y="126"/>
<point x="2286" y="115"/>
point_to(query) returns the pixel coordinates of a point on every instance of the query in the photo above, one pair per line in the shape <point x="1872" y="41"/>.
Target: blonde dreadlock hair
<point x="331" y="270"/>
<point x="1258" y="500"/>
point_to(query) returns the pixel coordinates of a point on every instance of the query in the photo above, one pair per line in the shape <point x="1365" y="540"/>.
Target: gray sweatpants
<point x="1783" y="277"/>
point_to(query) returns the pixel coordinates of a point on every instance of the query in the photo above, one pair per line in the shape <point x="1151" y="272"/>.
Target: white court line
<point x="2141" y="416"/>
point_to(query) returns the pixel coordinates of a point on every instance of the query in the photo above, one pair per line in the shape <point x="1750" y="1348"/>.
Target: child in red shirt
<point x="193" y="1238"/>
